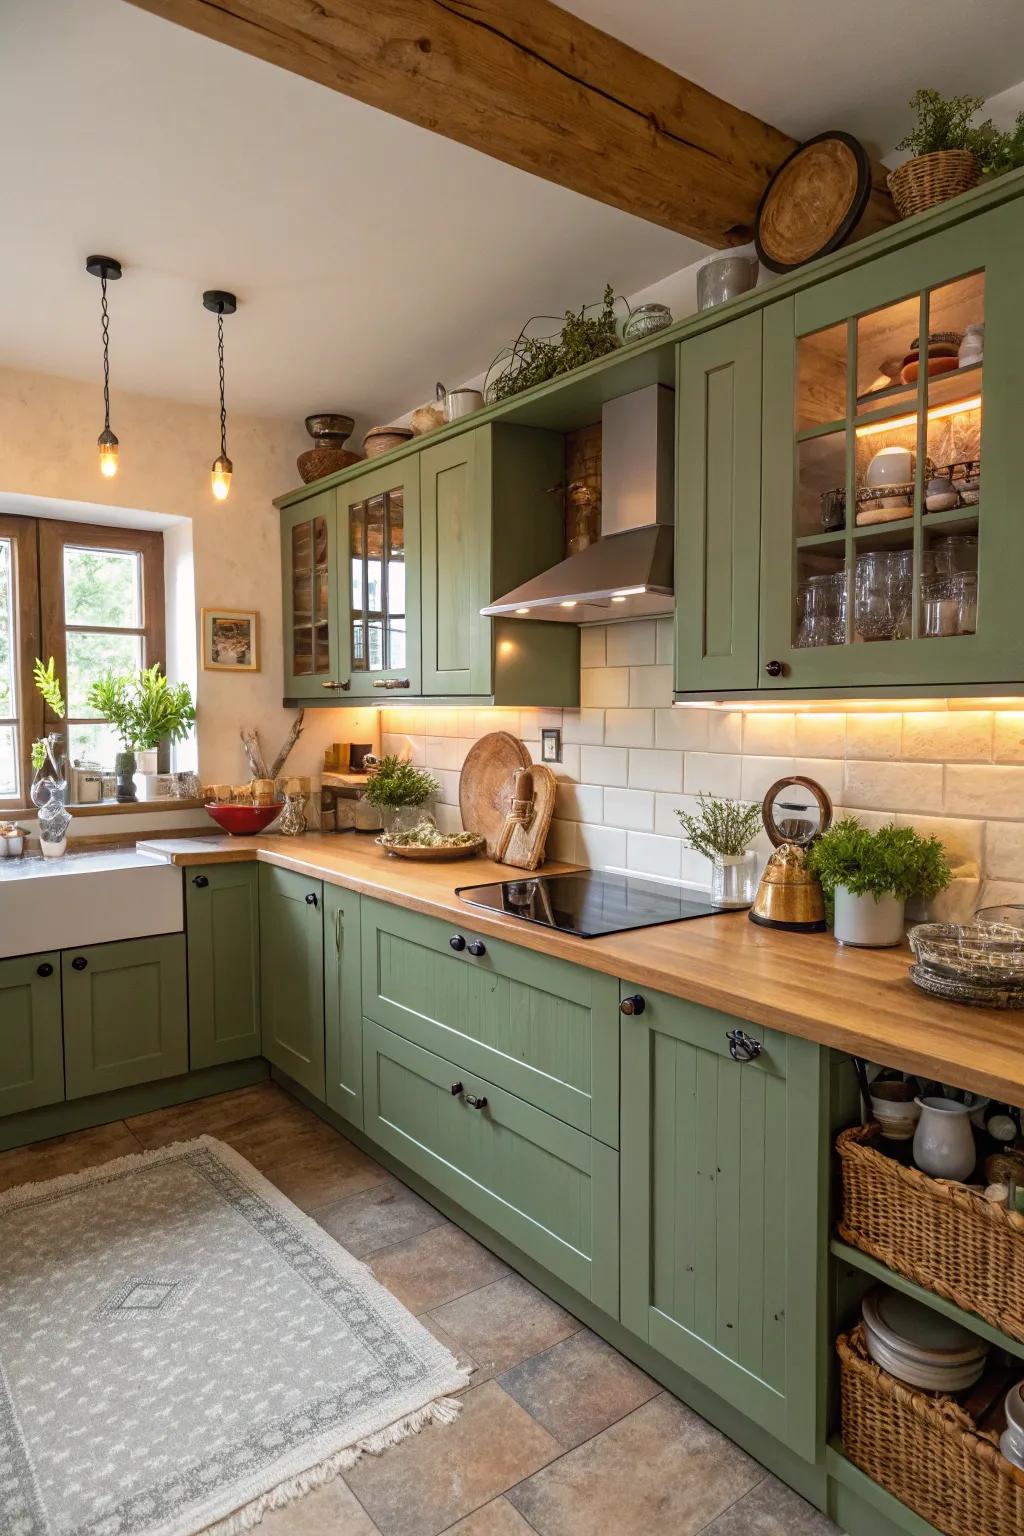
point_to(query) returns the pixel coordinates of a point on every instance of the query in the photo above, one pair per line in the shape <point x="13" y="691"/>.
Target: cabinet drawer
<point x="545" y="1186"/>
<point x="542" y="1028"/>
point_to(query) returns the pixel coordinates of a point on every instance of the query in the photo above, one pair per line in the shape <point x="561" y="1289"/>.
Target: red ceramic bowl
<point x="243" y="820"/>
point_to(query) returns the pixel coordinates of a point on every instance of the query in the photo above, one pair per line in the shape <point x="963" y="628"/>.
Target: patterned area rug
<point x="180" y="1347"/>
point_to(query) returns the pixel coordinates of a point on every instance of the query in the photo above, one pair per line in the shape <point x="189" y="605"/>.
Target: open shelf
<point x="970" y="1320"/>
<point x="900" y="1515"/>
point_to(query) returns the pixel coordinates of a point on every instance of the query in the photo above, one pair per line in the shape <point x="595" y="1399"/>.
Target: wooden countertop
<point x="857" y="1000"/>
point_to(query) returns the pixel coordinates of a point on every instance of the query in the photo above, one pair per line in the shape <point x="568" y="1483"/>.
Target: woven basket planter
<point x="929" y="179"/>
<point x="926" y="1450"/>
<point x="938" y="1233"/>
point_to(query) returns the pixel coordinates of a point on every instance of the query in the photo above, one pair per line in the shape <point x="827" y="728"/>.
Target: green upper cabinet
<point x="455" y="479"/>
<point x="223" y="926"/>
<point x="718" y="506"/>
<point x="31" y="1043"/>
<point x="379" y="583"/>
<point x="292" y="975"/>
<point x="724" y="1168"/>
<point x="891" y="550"/>
<point x="343" y="1014"/>
<point x="125" y="1013"/>
<point x="309" y="562"/>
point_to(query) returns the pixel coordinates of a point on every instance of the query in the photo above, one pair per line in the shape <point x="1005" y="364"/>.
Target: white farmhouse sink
<point x="85" y="898"/>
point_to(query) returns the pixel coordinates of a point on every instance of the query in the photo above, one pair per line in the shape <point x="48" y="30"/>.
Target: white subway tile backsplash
<point x="447" y="817"/>
<point x="593" y="652"/>
<point x="632" y="645"/>
<point x="985" y="790"/>
<point x="1001" y="892"/>
<point x="650" y="855"/>
<point x="820" y="735"/>
<point x="666" y="648"/>
<point x="604" y="687"/>
<point x="725" y="731"/>
<point x="938" y="736"/>
<point x="714" y="773"/>
<point x="666" y="822"/>
<point x="873" y="736"/>
<point x="695" y="869"/>
<point x="651" y="686"/>
<point x="1008" y="738"/>
<point x="579" y="802"/>
<point x="629" y="727"/>
<point x="656" y="770"/>
<point x="444" y="752"/>
<point x="632" y="808"/>
<point x="825" y="772"/>
<point x="561" y="843"/>
<point x="1004" y="849"/>
<point x="760" y="773"/>
<point x="605" y="765"/>
<point x="894" y="786"/>
<point x="964" y="841"/>
<point x="600" y="847"/>
<point x="769" y="735"/>
<point x="681" y="730"/>
<point x="449" y="782"/>
<point x="583" y="726"/>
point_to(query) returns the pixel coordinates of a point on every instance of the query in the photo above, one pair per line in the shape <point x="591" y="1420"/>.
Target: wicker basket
<point x="938" y="1233"/>
<point x="929" y="179"/>
<point x="926" y="1450"/>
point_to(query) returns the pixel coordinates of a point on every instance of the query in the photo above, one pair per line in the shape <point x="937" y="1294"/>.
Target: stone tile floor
<point x="559" y="1434"/>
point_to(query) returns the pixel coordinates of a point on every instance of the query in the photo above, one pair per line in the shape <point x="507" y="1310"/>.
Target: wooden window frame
<point x="25" y="609"/>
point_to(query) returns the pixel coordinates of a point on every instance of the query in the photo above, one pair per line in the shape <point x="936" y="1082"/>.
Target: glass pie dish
<point x="986" y="954"/>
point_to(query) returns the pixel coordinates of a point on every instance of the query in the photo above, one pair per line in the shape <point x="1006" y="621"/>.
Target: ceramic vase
<point x="866" y="923"/>
<point x="734" y="879"/>
<point x="124" y="770"/>
<point x="944" y="1141"/>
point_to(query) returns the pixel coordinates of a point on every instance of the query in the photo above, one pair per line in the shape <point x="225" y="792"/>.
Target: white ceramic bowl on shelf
<point x="890" y="466"/>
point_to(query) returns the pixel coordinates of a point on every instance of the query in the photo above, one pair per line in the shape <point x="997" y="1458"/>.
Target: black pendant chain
<point x="220" y="365"/>
<point x="105" y="327"/>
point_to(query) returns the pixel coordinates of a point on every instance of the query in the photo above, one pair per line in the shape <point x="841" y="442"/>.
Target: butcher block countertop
<point x="857" y="1000"/>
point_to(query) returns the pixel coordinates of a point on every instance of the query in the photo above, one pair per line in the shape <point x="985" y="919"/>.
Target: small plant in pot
<point x="868" y="877"/>
<point x="398" y="791"/>
<point x="144" y="710"/>
<point x="949" y="151"/>
<point x="722" y="830"/>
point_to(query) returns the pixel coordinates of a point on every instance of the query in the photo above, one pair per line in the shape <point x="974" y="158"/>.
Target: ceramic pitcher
<point x="944" y="1141"/>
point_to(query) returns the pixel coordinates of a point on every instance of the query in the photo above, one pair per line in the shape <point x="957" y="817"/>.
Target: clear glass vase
<point x="402" y="818"/>
<point x="50" y="773"/>
<point x="734" y="879"/>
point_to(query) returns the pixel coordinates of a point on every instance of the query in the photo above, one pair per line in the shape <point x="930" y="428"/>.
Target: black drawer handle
<point x="474" y="1102"/>
<point x="478" y="948"/>
<point x="201" y="881"/>
<point x="457" y="942"/>
<point x="312" y="899"/>
<point x="46" y="969"/>
<point x="79" y="963"/>
<point x="632" y="1005"/>
<point x="456" y="1090"/>
<point x="774" y="668"/>
<point x="741" y="1046"/>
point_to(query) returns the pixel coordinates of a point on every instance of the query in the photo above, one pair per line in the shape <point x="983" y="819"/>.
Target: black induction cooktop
<point x="589" y="903"/>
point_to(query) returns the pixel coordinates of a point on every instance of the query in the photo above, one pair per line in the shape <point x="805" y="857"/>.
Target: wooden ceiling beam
<point x="532" y="86"/>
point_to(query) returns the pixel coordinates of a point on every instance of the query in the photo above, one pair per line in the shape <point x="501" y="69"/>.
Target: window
<point x="90" y="597"/>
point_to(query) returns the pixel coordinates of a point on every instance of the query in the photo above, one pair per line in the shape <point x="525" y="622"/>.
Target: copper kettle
<point x="789" y="896"/>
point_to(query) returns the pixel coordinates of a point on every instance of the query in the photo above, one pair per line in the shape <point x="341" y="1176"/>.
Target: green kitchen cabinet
<point x="378" y="520"/>
<point x="538" y="1026"/>
<point x="292" y="975"/>
<point x="309" y="564"/>
<point x="223" y="928"/>
<point x="724" y="1167"/>
<point x="31" y="1042"/>
<point x="343" y="1015"/>
<point x="542" y="1184"/>
<point x="834" y="612"/>
<point x="125" y="1013"/>
<point x="456" y="525"/>
<point x="718" y="507"/>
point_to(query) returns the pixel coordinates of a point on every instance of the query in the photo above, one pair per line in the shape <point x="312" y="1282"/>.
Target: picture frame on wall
<point x="231" y="640"/>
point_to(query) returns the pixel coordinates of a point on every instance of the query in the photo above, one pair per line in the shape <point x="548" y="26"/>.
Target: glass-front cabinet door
<point x="310" y="565"/>
<point x="379" y="586"/>
<point x="892" y="549"/>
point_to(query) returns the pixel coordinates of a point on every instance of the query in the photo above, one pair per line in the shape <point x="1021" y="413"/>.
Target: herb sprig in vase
<point x="722" y="830"/>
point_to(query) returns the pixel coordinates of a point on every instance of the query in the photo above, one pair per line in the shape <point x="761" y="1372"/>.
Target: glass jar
<point x="964" y="586"/>
<point x="645" y="320"/>
<point x="953" y="552"/>
<point x="292" y="821"/>
<point x="883" y="589"/>
<point x="939" y="607"/>
<point x="724" y="276"/>
<point x="822" y="602"/>
<point x="50" y="774"/>
<point x="734" y="879"/>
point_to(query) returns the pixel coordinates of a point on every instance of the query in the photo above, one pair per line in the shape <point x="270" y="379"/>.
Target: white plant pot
<point x="866" y="923"/>
<point x="147" y="761"/>
<point x="53" y="850"/>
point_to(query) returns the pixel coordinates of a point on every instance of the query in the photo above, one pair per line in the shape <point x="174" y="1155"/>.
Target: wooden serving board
<point x="485" y="787"/>
<point x="522" y="846"/>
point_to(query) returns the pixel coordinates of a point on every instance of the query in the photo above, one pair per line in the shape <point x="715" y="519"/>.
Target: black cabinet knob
<point x="456" y="1090"/>
<point x="46" y="969"/>
<point x="632" y="1005"/>
<point x="741" y="1046"/>
<point x="79" y="963"/>
<point x="478" y="947"/>
<point x="457" y="941"/>
<point x="312" y="899"/>
<point x="474" y="1102"/>
<point x="774" y="668"/>
<point x="201" y="881"/>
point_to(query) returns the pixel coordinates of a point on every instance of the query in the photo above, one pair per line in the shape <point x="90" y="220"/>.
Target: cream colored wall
<point x="48" y="429"/>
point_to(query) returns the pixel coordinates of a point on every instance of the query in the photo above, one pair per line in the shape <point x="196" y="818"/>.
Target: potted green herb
<point x="144" y="710"/>
<point x="533" y="359"/>
<point x="722" y="830"/>
<point x="948" y="151"/>
<point x="868" y="878"/>
<point x="397" y="791"/>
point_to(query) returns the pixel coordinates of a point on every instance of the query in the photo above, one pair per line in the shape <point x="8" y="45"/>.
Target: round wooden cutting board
<point x="813" y="202"/>
<point x="485" y="787"/>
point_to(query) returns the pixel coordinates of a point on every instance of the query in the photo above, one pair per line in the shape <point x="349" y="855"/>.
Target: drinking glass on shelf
<point x="822" y="600"/>
<point x="883" y="590"/>
<point x="965" y="592"/>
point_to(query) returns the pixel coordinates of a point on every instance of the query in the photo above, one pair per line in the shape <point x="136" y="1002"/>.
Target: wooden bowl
<point x="382" y="439"/>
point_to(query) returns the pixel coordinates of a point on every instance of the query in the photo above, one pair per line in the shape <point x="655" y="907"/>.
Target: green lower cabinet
<point x="542" y="1184"/>
<point x="292" y="975"/>
<point x="31" y="1048"/>
<point x="223" y="927"/>
<point x="125" y="1013"/>
<point x="343" y="1016"/>
<point x="538" y="1026"/>
<point x="724" y="1201"/>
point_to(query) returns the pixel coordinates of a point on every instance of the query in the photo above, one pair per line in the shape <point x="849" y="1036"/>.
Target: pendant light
<point x="107" y="269"/>
<point x="220" y="304"/>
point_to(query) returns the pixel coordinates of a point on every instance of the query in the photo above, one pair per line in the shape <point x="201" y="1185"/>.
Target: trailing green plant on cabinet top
<point x="386" y="572"/>
<point x="849" y="516"/>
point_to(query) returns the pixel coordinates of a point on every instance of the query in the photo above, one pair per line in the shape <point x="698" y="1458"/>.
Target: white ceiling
<point x="370" y="257"/>
<point x="810" y="65"/>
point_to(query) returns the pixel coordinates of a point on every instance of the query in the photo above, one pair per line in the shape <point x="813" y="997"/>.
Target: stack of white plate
<point x="919" y="1346"/>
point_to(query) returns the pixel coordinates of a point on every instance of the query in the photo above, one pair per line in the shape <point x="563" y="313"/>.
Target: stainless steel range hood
<point x="627" y="573"/>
